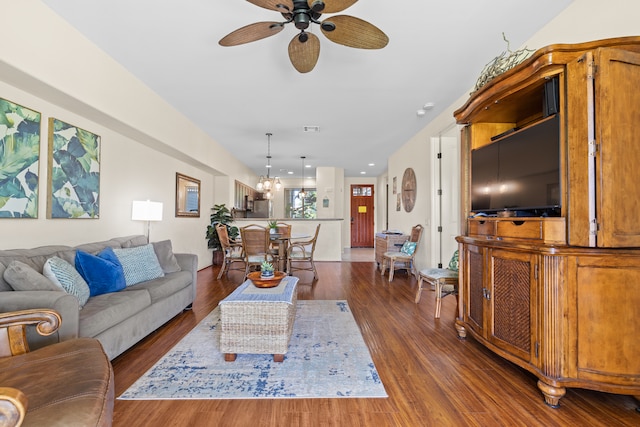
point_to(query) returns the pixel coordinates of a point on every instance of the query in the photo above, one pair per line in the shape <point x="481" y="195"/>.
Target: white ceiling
<point x="364" y="101"/>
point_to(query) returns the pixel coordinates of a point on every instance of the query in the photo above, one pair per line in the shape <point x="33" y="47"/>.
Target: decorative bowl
<point x="270" y="282"/>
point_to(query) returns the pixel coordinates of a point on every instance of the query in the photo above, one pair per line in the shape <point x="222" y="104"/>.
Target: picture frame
<point x="187" y="196"/>
<point x="19" y="160"/>
<point x="74" y="172"/>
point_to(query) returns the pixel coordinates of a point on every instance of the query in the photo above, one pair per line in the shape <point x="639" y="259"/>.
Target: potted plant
<point x="220" y="215"/>
<point x="266" y="270"/>
<point x="273" y="226"/>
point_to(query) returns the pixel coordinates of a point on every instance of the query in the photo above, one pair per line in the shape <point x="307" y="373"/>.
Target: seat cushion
<point x="397" y="255"/>
<point x="104" y="311"/>
<point x="438" y="273"/>
<point x="67" y="384"/>
<point x="163" y="287"/>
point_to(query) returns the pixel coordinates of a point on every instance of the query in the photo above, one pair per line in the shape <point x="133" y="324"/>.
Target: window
<point x="297" y="207"/>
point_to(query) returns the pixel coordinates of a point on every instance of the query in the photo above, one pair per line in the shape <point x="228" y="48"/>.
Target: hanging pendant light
<point x="302" y="193"/>
<point x="266" y="184"/>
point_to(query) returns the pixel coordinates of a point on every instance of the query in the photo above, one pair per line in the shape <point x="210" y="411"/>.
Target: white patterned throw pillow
<point x="139" y="264"/>
<point x="67" y="277"/>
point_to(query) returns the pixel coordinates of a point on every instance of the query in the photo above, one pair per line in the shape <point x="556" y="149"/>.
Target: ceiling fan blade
<point x="304" y="56"/>
<point x="278" y="5"/>
<point x="334" y="6"/>
<point x="251" y="33"/>
<point x="355" y="32"/>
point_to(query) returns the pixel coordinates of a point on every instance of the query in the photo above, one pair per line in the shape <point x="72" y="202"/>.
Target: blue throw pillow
<point x="139" y="264"/>
<point x="103" y="273"/>
<point x="408" y="248"/>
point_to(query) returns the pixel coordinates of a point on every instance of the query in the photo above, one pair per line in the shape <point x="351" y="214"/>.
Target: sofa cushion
<point x="104" y="311"/>
<point x="103" y="272"/>
<point x="67" y="384"/>
<point x="139" y="264"/>
<point x="21" y="277"/>
<point x="163" y="287"/>
<point x="67" y="277"/>
<point x="165" y="255"/>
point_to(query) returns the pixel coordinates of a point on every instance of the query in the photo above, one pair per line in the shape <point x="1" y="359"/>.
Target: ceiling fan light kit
<point x="304" y="48"/>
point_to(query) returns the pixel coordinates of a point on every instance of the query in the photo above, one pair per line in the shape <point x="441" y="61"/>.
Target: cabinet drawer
<point x="482" y="228"/>
<point x="520" y="229"/>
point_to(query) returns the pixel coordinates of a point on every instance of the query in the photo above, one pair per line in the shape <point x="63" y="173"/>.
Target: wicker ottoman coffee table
<point x="257" y="320"/>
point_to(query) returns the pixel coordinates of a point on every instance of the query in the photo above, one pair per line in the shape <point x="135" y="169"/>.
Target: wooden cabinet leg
<point x="462" y="331"/>
<point x="230" y="357"/>
<point x="278" y="358"/>
<point x="552" y="395"/>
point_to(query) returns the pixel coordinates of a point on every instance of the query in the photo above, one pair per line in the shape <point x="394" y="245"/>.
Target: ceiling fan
<point x="304" y="48"/>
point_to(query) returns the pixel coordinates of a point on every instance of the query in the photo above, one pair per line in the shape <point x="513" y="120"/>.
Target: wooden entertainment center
<point x="559" y="295"/>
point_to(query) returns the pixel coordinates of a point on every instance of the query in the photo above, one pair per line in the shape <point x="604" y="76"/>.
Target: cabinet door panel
<point x="511" y="288"/>
<point x="617" y="117"/>
<point x="475" y="286"/>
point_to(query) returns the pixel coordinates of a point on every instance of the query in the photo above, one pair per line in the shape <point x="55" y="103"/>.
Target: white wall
<point x="583" y="20"/>
<point x="47" y="66"/>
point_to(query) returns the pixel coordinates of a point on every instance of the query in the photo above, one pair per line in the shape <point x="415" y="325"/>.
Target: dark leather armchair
<point x="69" y="383"/>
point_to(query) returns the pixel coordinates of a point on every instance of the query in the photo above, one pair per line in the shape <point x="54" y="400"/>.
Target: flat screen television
<point x="519" y="172"/>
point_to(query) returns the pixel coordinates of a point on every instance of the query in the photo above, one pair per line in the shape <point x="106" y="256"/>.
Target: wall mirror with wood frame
<point x="187" y="196"/>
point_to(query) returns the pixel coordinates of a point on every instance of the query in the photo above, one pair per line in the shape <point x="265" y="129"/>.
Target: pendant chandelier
<point x="302" y="193"/>
<point x="267" y="184"/>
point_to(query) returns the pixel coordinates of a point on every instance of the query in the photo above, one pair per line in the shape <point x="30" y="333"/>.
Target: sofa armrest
<point x="189" y="262"/>
<point x="66" y="305"/>
<point x="13" y="406"/>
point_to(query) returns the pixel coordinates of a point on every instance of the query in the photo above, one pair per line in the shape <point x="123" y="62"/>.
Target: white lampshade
<point x="146" y="211"/>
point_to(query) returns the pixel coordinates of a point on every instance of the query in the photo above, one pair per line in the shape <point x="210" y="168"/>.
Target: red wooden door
<point x="362" y="218"/>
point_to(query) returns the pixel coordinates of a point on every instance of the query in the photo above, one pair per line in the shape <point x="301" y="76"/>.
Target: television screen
<point x="519" y="172"/>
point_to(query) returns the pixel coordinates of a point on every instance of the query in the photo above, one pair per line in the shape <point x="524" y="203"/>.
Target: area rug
<point x="327" y="358"/>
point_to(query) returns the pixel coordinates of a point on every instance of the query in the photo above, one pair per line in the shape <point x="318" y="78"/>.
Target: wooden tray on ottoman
<point x="262" y="282"/>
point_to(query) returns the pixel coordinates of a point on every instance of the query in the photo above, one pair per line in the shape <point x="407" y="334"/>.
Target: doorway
<point x="362" y="216"/>
<point x="445" y="194"/>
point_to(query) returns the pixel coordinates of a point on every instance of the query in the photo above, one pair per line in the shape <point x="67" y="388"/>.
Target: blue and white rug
<point x="327" y="358"/>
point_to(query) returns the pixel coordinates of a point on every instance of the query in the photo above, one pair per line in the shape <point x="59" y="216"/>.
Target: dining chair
<point x="232" y="251"/>
<point x="444" y="281"/>
<point x="404" y="259"/>
<point x="255" y="246"/>
<point x="301" y="253"/>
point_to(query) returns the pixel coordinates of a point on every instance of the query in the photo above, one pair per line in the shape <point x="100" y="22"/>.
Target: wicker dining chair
<point x="404" y="259"/>
<point x="444" y="281"/>
<point x="255" y="246"/>
<point x="232" y="251"/>
<point x="301" y="252"/>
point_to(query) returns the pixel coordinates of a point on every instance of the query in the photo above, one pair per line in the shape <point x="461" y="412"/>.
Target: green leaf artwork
<point x="19" y="164"/>
<point x="74" y="172"/>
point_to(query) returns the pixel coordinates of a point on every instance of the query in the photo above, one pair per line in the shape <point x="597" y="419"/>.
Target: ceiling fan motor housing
<point x="302" y="12"/>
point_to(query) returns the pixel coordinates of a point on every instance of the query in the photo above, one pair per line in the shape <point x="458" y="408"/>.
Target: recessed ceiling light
<point x="363" y="173"/>
<point x="307" y="166"/>
<point x="311" y="128"/>
<point x="372" y="164"/>
<point x="290" y="172"/>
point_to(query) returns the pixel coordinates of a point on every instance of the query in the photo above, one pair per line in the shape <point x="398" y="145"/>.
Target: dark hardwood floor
<point x="432" y="378"/>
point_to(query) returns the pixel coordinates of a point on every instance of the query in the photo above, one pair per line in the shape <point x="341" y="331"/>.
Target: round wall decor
<point x="409" y="189"/>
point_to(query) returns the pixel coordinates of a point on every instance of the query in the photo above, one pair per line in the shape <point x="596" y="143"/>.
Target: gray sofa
<point x="117" y="319"/>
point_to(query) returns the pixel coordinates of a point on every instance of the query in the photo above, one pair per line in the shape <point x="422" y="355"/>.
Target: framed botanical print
<point x="74" y="172"/>
<point x="19" y="160"/>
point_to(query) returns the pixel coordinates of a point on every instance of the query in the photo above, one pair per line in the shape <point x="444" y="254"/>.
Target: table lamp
<point x="146" y="211"/>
